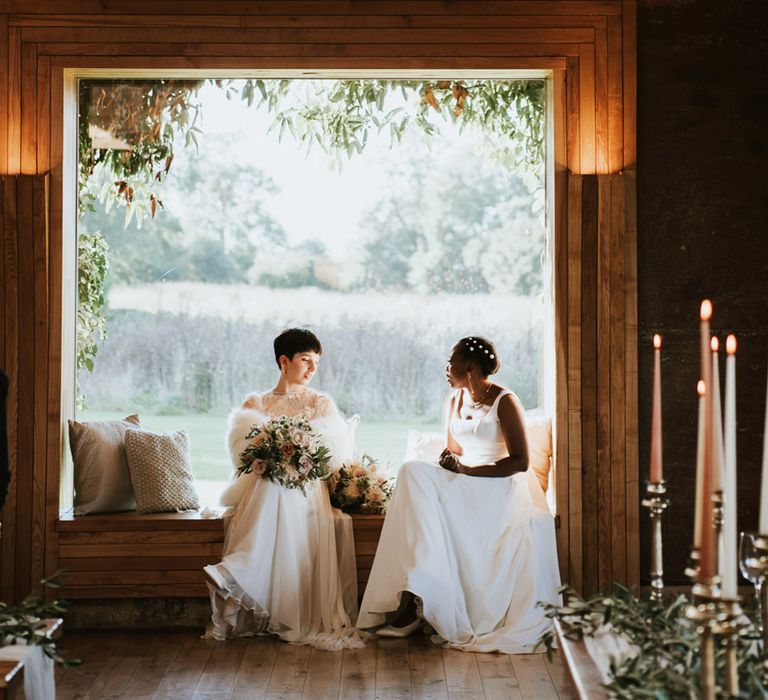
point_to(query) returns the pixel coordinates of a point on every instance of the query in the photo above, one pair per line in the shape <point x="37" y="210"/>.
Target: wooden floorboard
<point x="176" y="665"/>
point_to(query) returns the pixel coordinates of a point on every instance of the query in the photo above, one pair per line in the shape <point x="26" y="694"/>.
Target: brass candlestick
<point x="692" y="567"/>
<point x="656" y="502"/>
<point x="729" y="626"/>
<point x="706" y="611"/>
<point x="761" y="548"/>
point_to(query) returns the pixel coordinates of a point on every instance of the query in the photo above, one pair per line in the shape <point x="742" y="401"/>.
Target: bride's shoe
<point x="392" y="631"/>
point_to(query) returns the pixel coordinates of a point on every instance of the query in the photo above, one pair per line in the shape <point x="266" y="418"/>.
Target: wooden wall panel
<point x="575" y="459"/>
<point x="4" y="60"/>
<point x="617" y="388"/>
<point x="590" y="47"/>
<point x="11" y="368"/>
<point x="591" y="469"/>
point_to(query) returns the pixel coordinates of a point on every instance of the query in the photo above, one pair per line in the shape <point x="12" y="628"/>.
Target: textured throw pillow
<point x="161" y="472"/>
<point x="102" y="481"/>
<point x="538" y="431"/>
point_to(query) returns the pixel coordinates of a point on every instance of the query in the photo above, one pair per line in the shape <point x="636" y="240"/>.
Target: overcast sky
<point x="311" y="194"/>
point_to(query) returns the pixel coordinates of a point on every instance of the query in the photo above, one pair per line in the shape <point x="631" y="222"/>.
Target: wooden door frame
<point x="589" y="47"/>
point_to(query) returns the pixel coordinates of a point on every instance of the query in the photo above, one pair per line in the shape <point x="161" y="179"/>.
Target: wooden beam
<point x="617" y="387"/>
<point x="433" y="21"/>
<point x="589" y="378"/>
<point x="558" y="247"/>
<point x="39" y="234"/>
<point x="631" y="396"/>
<point x="603" y="475"/>
<point x="26" y="388"/>
<point x="13" y="146"/>
<point x="175" y="66"/>
<point x="574" y="424"/>
<point x="387" y="37"/>
<point x="629" y="83"/>
<point x="306" y="51"/>
<point x="4" y="92"/>
<point x="11" y="367"/>
<point x="319" y="7"/>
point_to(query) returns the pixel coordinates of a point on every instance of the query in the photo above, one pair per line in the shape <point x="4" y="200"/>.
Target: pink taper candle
<point x="699" y="466"/>
<point x="707" y="536"/>
<point x="656" y="457"/>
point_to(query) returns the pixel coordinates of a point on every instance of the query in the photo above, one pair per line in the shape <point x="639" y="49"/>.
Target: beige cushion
<point x="102" y="481"/>
<point x="161" y="471"/>
<point x="538" y="431"/>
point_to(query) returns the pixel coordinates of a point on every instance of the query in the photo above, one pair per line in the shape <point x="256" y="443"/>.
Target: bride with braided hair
<point x="468" y="544"/>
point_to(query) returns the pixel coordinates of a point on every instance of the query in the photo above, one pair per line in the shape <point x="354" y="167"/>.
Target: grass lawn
<point x="384" y="440"/>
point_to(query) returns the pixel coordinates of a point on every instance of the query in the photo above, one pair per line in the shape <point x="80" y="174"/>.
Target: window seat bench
<point x="161" y="555"/>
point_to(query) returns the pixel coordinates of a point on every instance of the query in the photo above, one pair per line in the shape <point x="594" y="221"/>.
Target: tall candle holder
<point x="761" y="547"/>
<point x="706" y="611"/>
<point x="692" y="566"/>
<point x="730" y="626"/>
<point x="656" y="502"/>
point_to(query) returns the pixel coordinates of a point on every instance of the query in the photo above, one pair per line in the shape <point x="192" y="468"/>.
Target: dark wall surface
<point x="702" y="233"/>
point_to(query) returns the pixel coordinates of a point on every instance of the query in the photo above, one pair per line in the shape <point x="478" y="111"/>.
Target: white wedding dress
<point x="479" y="552"/>
<point x="289" y="558"/>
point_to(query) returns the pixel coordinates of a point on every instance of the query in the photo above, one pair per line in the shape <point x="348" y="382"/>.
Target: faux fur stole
<point x="337" y="434"/>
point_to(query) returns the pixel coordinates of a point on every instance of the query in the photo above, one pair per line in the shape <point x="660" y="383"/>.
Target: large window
<point x="390" y="255"/>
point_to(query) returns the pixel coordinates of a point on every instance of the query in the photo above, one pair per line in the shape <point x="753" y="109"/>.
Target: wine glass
<point x="749" y="564"/>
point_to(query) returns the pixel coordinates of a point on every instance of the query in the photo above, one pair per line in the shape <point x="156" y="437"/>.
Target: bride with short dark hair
<point x="289" y="559"/>
<point x="468" y="545"/>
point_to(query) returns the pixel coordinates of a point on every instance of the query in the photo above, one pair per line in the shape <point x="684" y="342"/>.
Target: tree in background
<point x="130" y="128"/>
<point x="448" y="230"/>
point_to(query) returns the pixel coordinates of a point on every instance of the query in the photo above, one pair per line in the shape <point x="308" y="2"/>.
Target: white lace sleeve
<point x="253" y="401"/>
<point x="325" y="407"/>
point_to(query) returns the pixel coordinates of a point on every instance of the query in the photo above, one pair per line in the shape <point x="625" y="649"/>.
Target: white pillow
<point x="427" y="446"/>
<point x="424" y="447"/>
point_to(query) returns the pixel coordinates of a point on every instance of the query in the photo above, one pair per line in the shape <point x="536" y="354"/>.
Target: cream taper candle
<point x="717" y="421"/>
<point x="729" y="565"/>
<point x="764" y="487"/>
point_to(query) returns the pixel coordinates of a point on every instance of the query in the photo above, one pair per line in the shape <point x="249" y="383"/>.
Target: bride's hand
<point x="448" y="460"/>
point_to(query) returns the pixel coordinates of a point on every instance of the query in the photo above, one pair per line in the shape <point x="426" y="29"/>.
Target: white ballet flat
<point x="398" y="632"/>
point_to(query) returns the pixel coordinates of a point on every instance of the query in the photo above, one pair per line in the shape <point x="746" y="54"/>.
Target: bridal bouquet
<point x="358" y="487"/>
<point x="287" y="451"/>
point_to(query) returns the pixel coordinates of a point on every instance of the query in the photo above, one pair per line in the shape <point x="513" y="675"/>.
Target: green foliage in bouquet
<point x="22" y="623"/>
<point x="667" y="663"/>
<point x="358" y="487"/>
<point x="286" y="451"/>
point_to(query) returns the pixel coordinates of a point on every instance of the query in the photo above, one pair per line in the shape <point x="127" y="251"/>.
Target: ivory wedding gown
<point x="289" y="558"/>
<point x="479" y="552"/>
